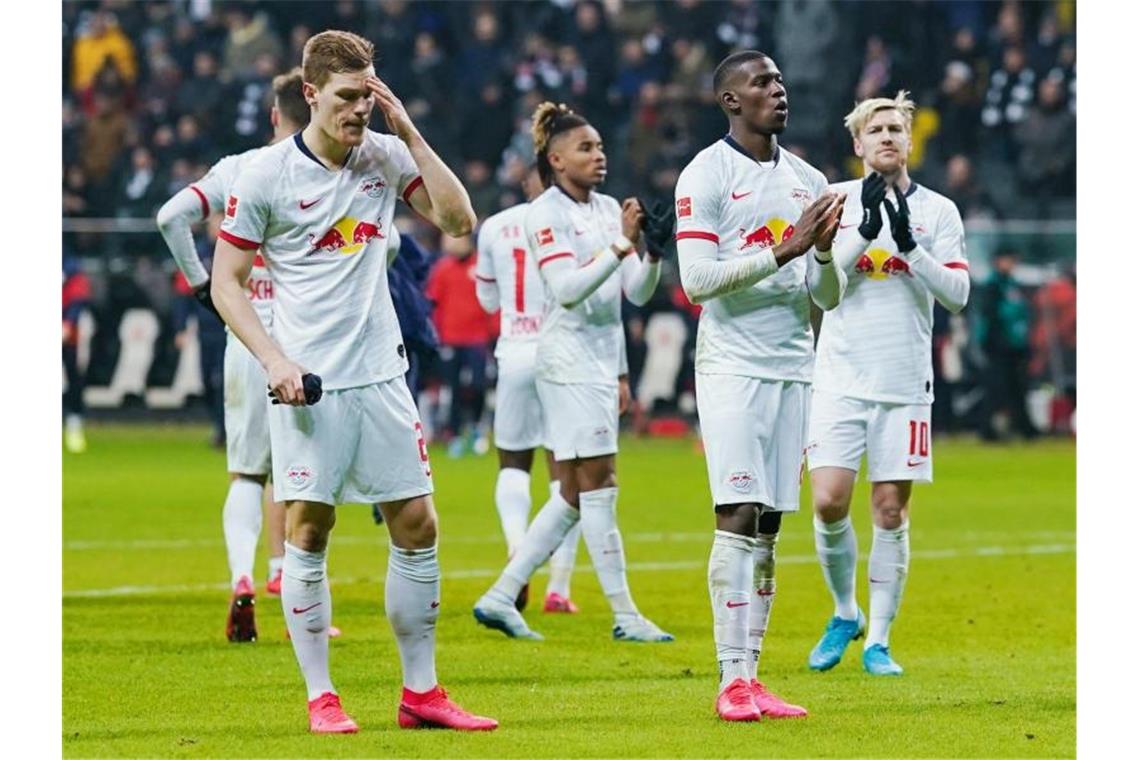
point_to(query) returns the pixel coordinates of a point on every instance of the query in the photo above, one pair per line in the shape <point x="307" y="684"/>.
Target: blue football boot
<point x="877" y="661"/>
<point x="838" y="634"/>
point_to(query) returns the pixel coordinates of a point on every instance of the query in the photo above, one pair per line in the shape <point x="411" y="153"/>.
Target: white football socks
<point x="307" y="604"/>
<point x="764" y="593"/>
<point x="730" y="587"/>
<point x="546" y="531"/>
<point x="603" y="540"/>
<point x="886" y="572"/>
<point x="512" y="500"/>
<point x="241" y="525"/>
<point x="411" y="602"/>
<point x="838" y="553"/>
<point x="562" y="563"/>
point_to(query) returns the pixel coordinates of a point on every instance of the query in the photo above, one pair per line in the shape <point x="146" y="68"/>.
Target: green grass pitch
<point x="986" y="633"/>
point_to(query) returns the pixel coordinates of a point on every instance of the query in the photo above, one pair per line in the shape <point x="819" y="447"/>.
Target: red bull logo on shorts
<point x="879" y="264"/>
<point x="742" y="481"/>
<point x="348" y="236"/>
<point x="770" y="233"/>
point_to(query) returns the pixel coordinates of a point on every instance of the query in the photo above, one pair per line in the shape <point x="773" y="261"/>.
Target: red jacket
<point x="458" y="316"/>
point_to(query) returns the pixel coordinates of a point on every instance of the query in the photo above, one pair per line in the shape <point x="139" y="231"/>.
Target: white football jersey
<point x="505" y="261"/>
<point x="876" y="345"/>
<point x="323" y="234"/>
<point x="213" y="189"/>
<point x="581" y="344"/>
<point x="743" y="205"/>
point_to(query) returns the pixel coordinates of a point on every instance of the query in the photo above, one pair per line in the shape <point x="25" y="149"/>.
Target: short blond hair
<point x="335" y="52"/>
<point x="863" y="111"/>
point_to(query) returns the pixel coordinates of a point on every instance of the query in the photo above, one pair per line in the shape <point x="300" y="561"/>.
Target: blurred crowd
<point x="155" y="92"/>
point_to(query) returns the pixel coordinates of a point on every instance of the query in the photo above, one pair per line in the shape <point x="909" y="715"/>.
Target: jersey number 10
<point x="919" y="438"/>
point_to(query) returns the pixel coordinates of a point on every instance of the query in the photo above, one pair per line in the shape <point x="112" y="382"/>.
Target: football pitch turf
<point x="987" y="630"/>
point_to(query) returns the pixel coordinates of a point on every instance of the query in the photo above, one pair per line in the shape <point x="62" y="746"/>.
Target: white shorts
<point x="519" y="422"/>
<point x="358" y="445"/>
<point x="754" y="433"/>
<point x="247" y="411"/>
<point x="581" y="419"/>
<point x="896" y="437"/>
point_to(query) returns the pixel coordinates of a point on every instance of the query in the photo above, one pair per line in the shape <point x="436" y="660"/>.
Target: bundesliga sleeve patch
<point x="684" y="206"/>
<point x="231" y="206"/>
<point x="545" y="236"/>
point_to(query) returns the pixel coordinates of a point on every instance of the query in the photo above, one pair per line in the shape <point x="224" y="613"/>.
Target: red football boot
<point x="433" y="709"/>
<point x="326" y="716"/>
<point x="735" y="702"/>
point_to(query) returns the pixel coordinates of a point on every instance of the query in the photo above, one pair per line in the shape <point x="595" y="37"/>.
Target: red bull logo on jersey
<point x="770" y="233"/>
<point x="879" y="264"/>
<point x="373" y="187"/>
<point x="348" y="236"/>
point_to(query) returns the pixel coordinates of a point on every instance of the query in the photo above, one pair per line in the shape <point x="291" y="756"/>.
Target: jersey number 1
<point x="520" y="279"/>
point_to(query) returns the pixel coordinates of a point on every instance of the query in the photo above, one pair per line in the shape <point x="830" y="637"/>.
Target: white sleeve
<point x="486" y="287"/>
<point x="174" y="220"/>
<point x="944" y="270"/>
<point x="212" y="187"/>
<point x="703" y="275"/>
<point x="402" y="169"/>
<point x="248" y="209"/>
<point x="548" y="235"/>
<point x="623" y="357"/>
<point x="826" y="282"/>
<point x="639" y="277"/>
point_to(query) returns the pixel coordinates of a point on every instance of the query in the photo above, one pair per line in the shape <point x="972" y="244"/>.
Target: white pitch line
<point x="381" y="539"/>
<point x="645" y="567"/>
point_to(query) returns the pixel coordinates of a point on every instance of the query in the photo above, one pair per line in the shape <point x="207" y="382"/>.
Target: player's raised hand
<point x="831" y="225"/>
<point x="807" y="229"/>
<point x="286" y="385"/>
<point x="395" y="115"/>
<point x="900" y="223"/>
<point x="631" y="216"/>
<point x="872" y="193"/>
<point x="658" y="225"/>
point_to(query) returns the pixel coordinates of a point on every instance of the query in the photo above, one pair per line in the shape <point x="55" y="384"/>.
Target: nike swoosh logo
<point x="579" y="232"/>
<point x="846" y="226"/>
<point x="873" y="580"/>
<point x="914" y="464"/>
<point x="298" y="610"/>
<point x="434" y="605"/>
<point x="736" y="197"/>
<point x="731" y="605"/>
<point x="309" y="204"/>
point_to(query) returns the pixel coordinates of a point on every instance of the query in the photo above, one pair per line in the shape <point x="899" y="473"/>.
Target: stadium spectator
<point x="464" y="334"/>
<point x="1002" y="331"/>
<point x="250" y="38"/>
<point x="973" y="201"/>
<point x="1008" y="99"/>
<point x="1047" y="147"/>
<point x="100" y="43"/>
<point x="958" y="111"/>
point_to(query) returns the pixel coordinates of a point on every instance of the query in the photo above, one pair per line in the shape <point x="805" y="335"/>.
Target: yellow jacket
<point x="89" y="54"/>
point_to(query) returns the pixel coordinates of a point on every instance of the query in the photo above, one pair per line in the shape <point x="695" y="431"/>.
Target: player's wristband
<point x="624" y="244"/>
<point x="823" y="257"/>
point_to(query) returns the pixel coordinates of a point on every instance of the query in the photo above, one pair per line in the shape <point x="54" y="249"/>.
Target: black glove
<point x="203" y="295"/>
<point x="874" y="191"/>
<point x="657" y="224"/>
<point x="900" y="224"/>
<point x="312" y="386"/>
